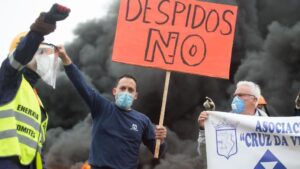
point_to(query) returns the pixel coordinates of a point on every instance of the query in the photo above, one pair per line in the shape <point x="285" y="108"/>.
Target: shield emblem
<point x="226" y="142"/>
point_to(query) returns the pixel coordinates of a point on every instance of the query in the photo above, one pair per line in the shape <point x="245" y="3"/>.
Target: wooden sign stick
<point x="162" y="111"/>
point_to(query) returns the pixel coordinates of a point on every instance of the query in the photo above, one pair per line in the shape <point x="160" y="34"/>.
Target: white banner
<point x="252" y="142"/>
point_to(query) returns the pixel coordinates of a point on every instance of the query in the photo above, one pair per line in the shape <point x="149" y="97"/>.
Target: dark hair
<point x="126" y="76"/>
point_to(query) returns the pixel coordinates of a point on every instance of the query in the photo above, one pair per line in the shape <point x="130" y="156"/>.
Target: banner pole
<point x="162" y="111"/>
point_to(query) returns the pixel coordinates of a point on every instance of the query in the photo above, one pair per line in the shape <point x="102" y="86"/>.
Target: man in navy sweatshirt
<point x="117" y="129"/>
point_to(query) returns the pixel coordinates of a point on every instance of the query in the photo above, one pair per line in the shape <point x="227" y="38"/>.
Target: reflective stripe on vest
<point x="20" y="117"/>
<point x="22" y="139"/>
<point x="21" y="131"/>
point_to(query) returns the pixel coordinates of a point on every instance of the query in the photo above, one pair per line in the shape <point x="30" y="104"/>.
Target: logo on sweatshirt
<point x="134" y="127"/>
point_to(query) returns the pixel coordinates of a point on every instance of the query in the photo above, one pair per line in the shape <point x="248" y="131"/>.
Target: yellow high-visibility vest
<point x="22" y="131"/>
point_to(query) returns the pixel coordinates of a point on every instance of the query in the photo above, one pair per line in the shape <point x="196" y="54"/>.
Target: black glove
<point x="209" y="104"/>
<point x="46" y="22"/>
<point x="56" y="13"/>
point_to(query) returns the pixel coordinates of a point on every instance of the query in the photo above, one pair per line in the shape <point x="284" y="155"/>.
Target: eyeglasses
<point x="243" y="95"/>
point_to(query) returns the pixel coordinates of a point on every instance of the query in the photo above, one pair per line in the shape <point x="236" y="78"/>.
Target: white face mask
<point x="46" y="61"/>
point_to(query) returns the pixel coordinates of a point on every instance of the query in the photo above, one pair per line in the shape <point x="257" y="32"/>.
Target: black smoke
<point x="266" y="50"/>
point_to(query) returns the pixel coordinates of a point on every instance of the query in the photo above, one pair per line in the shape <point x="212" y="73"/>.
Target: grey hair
<point x="254" y="88"/>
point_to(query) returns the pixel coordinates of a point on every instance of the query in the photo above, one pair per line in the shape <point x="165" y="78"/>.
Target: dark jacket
<point x="10" y="80"/>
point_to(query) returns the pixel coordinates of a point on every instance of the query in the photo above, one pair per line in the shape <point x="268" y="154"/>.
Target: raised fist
<point x="46" y="22"/>
<point x="57" y="13"/>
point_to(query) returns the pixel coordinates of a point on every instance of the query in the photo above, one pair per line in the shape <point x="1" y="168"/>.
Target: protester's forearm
<point x="27" y="47"/>
<point x="66" y="59"/>
<point x="201" y="143"/>
<point x="76" y="77"/>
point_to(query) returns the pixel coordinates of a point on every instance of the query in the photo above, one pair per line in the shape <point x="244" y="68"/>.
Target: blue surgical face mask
<point x="124" y="100"/>
<point x="238" y="105"/>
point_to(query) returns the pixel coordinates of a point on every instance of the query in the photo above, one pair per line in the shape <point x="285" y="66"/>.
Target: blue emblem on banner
<point x="226" y="139"/>
<point x="269" y="161"/>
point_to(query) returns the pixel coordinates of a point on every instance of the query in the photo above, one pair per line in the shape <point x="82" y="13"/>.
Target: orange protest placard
<point x="184" y="35"/>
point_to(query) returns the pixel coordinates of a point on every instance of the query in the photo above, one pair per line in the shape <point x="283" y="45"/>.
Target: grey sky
<point x="17" y="15"/>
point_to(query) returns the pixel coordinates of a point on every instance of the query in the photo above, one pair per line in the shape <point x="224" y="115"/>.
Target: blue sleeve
<point x="149" y="139"/>
<point x="27" y="47"/>
<point x="10" y="78"/>
<point x="92" y="98"/>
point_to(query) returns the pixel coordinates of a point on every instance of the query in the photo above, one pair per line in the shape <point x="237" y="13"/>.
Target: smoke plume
<point x="266" y="50"/>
